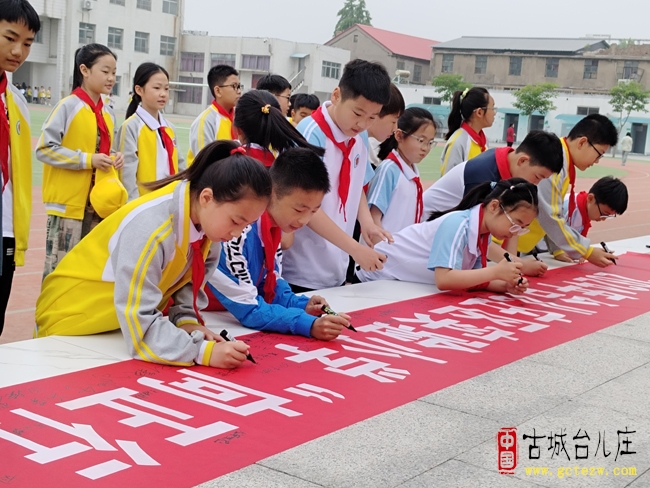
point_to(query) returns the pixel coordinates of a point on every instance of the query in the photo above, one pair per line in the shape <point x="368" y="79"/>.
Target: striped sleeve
<point x="449" y="243"/>
<point x="202" y="132"/>
<point x="382" y="186"/>
<point x="455" y="151"/>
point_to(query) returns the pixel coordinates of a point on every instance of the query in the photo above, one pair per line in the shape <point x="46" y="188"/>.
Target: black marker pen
<point x="326" y="309"/>
<point x="606" y="249"/>
<point x="507" y="256"/>
<point x="534" y="254"/>
<point x="226" y="335"/>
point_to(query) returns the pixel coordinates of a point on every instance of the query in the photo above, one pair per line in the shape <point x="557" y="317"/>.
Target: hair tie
<point x="238" y="149"/>
<point x="512" y="187"/>
<point x="266" y="109"/>
<point x="464" y="94"/>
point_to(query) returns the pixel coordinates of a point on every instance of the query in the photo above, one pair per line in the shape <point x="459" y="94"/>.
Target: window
<point x="190" y="94"/>
<point x="141" y="42"/>
<point x="431" y="101"/>
<point x="331" y="70"/>
<point x="227" y="59"/>
<point x="631" y="70"/>
<point x="417" y="73"/>
<point x="480" y="65"/>
<point x="117" y="2"/>
<point x="117" y="86"/>
<point x="515" y="66"/>
<point x="192" y="62"/>
<point x="591" y="69"/>
<point x="356" y="38"/>
<point x="400" y="65"/>
<point x="170" y="7"/>
<point x="447" y="63"/>
<point x="86" y="33"/>
<point x="115" y="37"/>
<point x="167" y="46"/>
<point x="143" y="4"/>
<point x="250" y="61"/>
<point x="38" y="38"/>
<point x="588" y="110"/>
<point x="552" y="67"/>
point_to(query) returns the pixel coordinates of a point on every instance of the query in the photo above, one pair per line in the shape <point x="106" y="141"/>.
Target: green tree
<point x="628" y="97"/>
<point x="353" y="12"/>
<point x="448" y="83"/>
<point x="535" y="98"/>
<point x="626" y="42"/>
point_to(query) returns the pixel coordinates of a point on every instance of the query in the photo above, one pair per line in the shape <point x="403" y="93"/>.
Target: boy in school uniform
<point x="19" y="24"/>
<point x="248" y="282"/>
<point x="606" y="199"/>
<point x="280" y="87"/>
<point x="318" y="257"/>
<point x="302" y="107"/>
<point x="386" y="124"/>
<point x="216" y="121"/>
<point x="585" y="145"/>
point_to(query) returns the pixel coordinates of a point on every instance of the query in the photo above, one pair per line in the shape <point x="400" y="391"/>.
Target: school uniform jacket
<point x="145" y="156"/>
<point x="66" y="146"/>
<point x="576" y="223"/>
<point x="459" y="148"/>
<point x="20" y="156"/>
<point x="551" y="219"/>
<point x="143" y="248"/>
<point x="208" y="127"/>
<point x="238" y="283"/>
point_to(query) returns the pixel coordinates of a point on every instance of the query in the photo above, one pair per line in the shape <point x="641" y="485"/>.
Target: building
<point x="136" y="30"/>
<point x="395" y="51"/>
<point x="589" y="66"/>
<point x="310" y="68"/>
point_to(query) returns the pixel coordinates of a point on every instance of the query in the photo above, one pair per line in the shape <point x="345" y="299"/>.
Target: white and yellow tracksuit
<point x="123" y="274"/>
<point x="208" y="127"/>
<point x="459" y="148"/>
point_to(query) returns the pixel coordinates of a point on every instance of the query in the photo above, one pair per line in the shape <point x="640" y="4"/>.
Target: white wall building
<point x="311" y="68"/>
<point x="136" y="30"/>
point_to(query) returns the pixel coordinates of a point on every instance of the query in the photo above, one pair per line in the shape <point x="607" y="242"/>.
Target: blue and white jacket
<point x="238" y="283"/>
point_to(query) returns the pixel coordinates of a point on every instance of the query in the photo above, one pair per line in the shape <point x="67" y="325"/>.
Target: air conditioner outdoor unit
<point x="87" y="4"/>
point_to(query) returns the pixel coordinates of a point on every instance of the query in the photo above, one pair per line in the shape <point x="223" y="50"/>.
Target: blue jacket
<point x="238" y="283"/>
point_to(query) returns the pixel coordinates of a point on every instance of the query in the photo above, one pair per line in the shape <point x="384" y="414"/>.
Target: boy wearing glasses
<point x="606" y="199"/>
<point x="585" y="145"/>
<point x="216" y="121"/>
<point x="280" y="87"/>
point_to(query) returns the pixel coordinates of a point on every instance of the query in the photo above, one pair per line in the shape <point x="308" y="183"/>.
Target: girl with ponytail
<point x="160" y="247"/>
<point x="146" y="139"/>
<point x="450" y="249"/>
<point x="472" y="110"/>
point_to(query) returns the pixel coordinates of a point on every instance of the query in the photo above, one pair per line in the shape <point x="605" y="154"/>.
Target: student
<point x="146" y="139"/>
<point x="28" y="95"/>
<point x="216" y="121"/>
<point x="48" y="95"/>
<point x="263" y="129"/>
<point x="395" y="192"/>
<point x="19" y="24"/>
<point x="385" y="125"/>
<point x="586" y="143"/>
<point x="280" y="87"/>
<point x="159" y="247"/>
<point x="292" y="100"/>
<point x="626" y="147"/>
<point x="472" y="110"/>
<point x="302" y="107"/>
<point x="510" y="135"/>
<point x="606" y="199"/>
<point x="77" y="139"/>
<point x="248" y="283"/>
<point x="450" y="249"/>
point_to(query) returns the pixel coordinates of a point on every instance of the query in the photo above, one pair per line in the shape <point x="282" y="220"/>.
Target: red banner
<point x="139" y="424"/>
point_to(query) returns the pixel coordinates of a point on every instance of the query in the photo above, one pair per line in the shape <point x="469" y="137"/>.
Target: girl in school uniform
<point x="163" y="245"/>
<point x="146" y="139"/>
<point x="395" y="192"/>
<point x="76" y="141"/>
<point x="472" y="110"/>
<point x="450" y="249"/>
<point x="263" y="129"/>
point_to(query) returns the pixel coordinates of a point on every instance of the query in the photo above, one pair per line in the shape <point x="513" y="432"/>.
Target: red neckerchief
<point x="271" y="237"/>
<point x="4" y="134"/>
<point x="169" y="147"/>
<point x="581" y="202"/>
<point x="264" y="156"/>
<point x="198" y="274"/>
<point x="104" y="135"/>
<point x="478" y="137"/>
<point x="572" y="178"/>
<point x="346" y="169"/>
<point x="229" y="115"/>
<point x="482" y="243"/>
<point x="501" y="155"/>
<point x="419" y="205"/>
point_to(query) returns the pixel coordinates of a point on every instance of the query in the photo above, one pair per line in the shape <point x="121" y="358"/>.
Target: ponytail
<point x="88" y="56"/>
<point x="463" y="105"/>
<point x="511" y="194"/>
<point x="142" y="75"/>
<point x="230" y="174"/>
<point x="259" y="117"/>
<point x="133" y="105"/>
<point x="408" y="123"/>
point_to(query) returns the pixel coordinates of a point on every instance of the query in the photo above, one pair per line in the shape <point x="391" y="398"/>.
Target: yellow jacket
<point x="123" y="274"/>
<point x="20" y="146"/>
<point x="66" y="146"/>
<point x="459" y="148"/>
<point x="208" y="127"/>
<point x="145" y="156"/>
